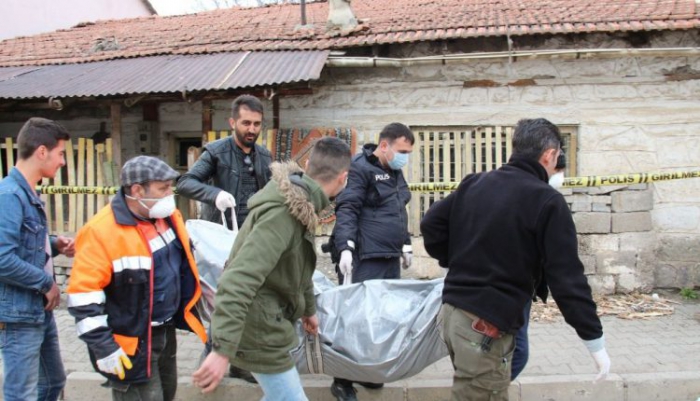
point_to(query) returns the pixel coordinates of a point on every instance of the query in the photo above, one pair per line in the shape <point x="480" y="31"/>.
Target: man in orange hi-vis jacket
<point x="133" y="282"/>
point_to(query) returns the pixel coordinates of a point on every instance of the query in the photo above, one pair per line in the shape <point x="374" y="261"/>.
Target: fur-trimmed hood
<point x="303" y="196"/>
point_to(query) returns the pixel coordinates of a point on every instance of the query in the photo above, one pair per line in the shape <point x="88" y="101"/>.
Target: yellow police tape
<point x="571" y="182"/>
<point x="574" y="182"/>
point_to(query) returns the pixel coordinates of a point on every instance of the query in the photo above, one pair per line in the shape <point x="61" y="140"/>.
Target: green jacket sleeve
<point x="248" y="267"/>
<point x="310" y="300"/>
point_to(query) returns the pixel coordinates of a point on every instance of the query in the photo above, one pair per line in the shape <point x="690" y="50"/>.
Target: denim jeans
<point x="522" y="346"/>
<point x="162" y="384"/>
<point x="285" y="386"/>
<point x="33" y="369"/>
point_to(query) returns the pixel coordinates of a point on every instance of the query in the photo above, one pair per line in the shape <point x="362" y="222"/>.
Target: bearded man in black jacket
<point x="493" y="233"/>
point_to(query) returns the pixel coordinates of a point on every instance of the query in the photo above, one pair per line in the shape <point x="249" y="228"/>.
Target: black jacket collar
<point x="121" y="211"/>
<point x="529" y="166"/>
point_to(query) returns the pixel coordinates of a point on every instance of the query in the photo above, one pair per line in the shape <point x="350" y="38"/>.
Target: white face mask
<point x="557" y="180"/>
<point x="163" y="207"/>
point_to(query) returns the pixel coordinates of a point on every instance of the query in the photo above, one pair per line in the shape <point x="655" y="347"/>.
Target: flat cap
<point x="142" y="169"/>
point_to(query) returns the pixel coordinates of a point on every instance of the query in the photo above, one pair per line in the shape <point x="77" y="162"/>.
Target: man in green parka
<point x="267" y="283"/>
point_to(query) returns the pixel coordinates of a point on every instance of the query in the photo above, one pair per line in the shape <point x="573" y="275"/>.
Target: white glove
<point x="115" y="363"/>
<point x="225" y="200"/>
<point x="601" y="359"/>
<point x="407" y="256"/>
<point x="345" y="264"/>
<point x="600" y="356"/>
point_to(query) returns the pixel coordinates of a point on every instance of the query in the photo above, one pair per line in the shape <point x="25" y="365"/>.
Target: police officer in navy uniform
<point x="371" y="230"/>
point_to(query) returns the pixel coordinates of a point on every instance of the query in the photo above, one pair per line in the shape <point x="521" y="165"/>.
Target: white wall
<point x="30" y="17"/>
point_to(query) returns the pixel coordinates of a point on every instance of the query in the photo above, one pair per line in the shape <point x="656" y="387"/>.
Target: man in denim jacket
<point x="28" y="335"/>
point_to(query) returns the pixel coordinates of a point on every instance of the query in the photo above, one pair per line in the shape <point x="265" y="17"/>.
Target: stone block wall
<point x="616" y="236"/>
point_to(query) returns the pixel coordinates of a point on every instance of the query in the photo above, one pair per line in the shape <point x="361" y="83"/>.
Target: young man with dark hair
<point x="134" y="281"/>
<point x="500" y="233"/>
<point x="371" y="228"/>
<point x="228" y="173"/>
<point x="267" y="285"/>
<point x="30" y="352"/>
<point x="237" y="167"/>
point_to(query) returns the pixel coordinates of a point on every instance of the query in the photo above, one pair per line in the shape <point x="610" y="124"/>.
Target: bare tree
<point x="201" y="5"/>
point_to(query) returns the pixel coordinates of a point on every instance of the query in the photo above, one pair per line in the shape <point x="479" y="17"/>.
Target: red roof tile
<point x="395" y="21"/>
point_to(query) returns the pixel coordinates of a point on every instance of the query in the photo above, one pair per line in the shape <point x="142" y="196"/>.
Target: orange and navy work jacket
<point x="110" y="292"/>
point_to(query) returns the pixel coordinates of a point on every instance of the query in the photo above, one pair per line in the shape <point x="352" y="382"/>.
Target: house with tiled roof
<point x="30" y="17"/>
<point x="621" y="78"/>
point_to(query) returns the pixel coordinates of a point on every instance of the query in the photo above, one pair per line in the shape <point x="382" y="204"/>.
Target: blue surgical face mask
<point x="399" y="160"/>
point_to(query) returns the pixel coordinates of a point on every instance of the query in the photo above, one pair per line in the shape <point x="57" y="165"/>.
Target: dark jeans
<point x="163" y="382"/>
<point x="522" y="346"/>
<point x="373" y="269"/>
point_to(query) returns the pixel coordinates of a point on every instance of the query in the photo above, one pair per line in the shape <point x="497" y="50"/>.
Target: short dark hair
<point x="395" y="131"/>
<point x="250" y="102"/>
<point x="329" y="158"/>
<point x="38" y="132"/>
<point x="532" y="137"/>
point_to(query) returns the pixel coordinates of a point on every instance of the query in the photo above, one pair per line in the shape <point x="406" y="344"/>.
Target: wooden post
<point x="192" y="156"/>
<point x="116" y="136"/>
<point x="206" y="120"/>
<point x="276" y="112"/>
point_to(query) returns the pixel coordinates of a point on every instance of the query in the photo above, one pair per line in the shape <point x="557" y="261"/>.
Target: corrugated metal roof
<point x="11" y="72"/>
<point x="162" y="74"/>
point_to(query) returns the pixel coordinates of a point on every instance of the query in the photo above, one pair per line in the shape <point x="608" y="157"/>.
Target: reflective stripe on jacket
<point x="111" y="287"/>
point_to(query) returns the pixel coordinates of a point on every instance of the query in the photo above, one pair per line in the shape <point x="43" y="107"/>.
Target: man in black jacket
<point x="500" y="233"/>
<point x="227" y="167"/>
<point x="371" y="228"/>
<point x="230" y="170"/>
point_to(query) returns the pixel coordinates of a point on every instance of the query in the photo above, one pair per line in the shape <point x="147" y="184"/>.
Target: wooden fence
<point x="87" y="164"/>
<point x="440" y="154"/>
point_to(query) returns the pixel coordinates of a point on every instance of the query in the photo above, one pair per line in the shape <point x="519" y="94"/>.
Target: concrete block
<point x="441" y="390"/>
<point x="680" y="248"/>
<point x="86" y="386"/>
<point x="600" y="207"/>
<point x="675" y="275"/>
<point x="663" y="386"/>
<point x="60" y="279"/>
<point x="631" y="282"/>
<point x="581" y="207"/>
<point x="638" y="187"/>
<point x="631" y="222"/>
<point x="244" y="391"/>
<point x="572" y="388"/>
<point x="602" y="284"/>
<point x="643" y="277"/>
<point x="589" y="264"/>
<point x="578" y="198"/>
<point x="594" y="243"/>
<point x="589" y="223"/>
<point x="616" y="262"/>
<point x="596" y="191"/>
<point x="604" y="199"/>
<point x="677" y="219"/>
<point x="632" y="201"/>
<point x="430" y="390"/>
<point x="639" y="242"/>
